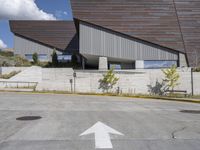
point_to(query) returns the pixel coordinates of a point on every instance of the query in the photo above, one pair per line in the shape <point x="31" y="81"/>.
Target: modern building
<point x="43" y="37"/>
<point x="124" y="33"/>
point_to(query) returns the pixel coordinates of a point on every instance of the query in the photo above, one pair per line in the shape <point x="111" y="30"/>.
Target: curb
<point x="197" y="101"/>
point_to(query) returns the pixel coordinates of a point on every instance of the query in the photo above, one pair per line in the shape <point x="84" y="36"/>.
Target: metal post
<point x="192" y="82"/>
<point x="74" y="75"/>
<point x="71" y="82"/>
<point x="83" y="63"/>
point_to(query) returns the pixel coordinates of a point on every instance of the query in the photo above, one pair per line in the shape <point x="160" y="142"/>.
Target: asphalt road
<point x="145" y="124"/>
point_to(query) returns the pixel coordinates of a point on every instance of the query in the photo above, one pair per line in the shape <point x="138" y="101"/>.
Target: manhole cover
<point x="191" y="111"/>
<point x="28" y="118"/>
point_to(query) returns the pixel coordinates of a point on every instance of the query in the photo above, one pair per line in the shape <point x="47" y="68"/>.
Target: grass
<point x="7" y="59"/>
<point x="6" y="54"/>
<point x="21" y="62"/>
<point x="9" y="75"/>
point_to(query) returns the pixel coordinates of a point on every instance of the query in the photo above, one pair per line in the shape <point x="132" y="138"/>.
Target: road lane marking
<point x="102" y="135"/>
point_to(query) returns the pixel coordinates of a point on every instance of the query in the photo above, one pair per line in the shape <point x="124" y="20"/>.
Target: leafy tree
<point x="171" y="77"/>
<point x="108" y="81"/>
<point x="74" y="59"/>
<point x="54" y="58"/>
<point x="35" y="58"/>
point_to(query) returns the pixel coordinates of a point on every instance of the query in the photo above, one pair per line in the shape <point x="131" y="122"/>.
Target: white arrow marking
<point x="102" y="135"/>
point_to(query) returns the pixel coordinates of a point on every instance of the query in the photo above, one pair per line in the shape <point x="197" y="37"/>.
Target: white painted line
<point x="102" y="135"/>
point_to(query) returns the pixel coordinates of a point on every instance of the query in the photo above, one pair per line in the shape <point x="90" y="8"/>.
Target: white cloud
<point x="22" y="10"/>
<point x="2" y="44"/>
<point x="65" y="13"/>
<point x="59" y="14"/>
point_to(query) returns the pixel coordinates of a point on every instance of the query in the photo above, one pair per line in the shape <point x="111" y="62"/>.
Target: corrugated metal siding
<point x="95" y="41"/>
<point x="23" y="46"/>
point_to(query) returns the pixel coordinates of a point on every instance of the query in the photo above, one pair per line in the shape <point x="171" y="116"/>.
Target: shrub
<point x="54" y="58"/>
<point x="6" y="53"/>
<point x="108" y="81"/>
<point x="19" y="61"/>
<point x="9" y="75"/>
<point x="35" y="58"/>
<point x="171" y="77"/>
<point x="196" y="69"/>
<point x="4" y="64"/>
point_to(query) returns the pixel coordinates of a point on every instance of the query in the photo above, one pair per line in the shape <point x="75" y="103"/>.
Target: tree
<point x="54" y="58"/>
<point x="171" y="77"/>
<point x="35" y="58"/>
<point x="108" y="81"/>
<point x="74" y="59"/>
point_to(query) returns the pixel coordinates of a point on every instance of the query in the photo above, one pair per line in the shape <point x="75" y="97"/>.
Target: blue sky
<point x="30" y="10"/>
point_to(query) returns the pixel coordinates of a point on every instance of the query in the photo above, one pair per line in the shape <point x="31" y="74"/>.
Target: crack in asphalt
<point x="176" y="131"/>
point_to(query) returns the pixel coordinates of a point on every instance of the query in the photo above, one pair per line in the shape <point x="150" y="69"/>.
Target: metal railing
<point x="18" y="84"/>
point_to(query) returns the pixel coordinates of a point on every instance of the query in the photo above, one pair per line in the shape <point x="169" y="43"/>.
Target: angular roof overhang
<point x="173" y="24"/>
<point x="56" y="34"/>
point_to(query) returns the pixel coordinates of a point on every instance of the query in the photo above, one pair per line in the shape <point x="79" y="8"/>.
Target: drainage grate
<point x="28" y="118"/>
<point x="191" y="111"/>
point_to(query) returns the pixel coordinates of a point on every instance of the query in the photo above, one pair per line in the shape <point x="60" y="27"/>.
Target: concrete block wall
<point x="184" y="81"/>
<point x="197" y="83"/>
<point x="130" y="81"/>
<point x="55" y="79"/>
<point x="135" y="82"/>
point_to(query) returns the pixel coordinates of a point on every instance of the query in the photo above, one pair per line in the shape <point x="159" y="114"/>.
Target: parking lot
<point x="80" y="122"/>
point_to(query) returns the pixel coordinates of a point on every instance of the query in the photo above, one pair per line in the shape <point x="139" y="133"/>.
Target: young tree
<point x="54" y="58"/>
<point x="35" y="58"/>
<point x="108" y="81"/>
<point x="74" y="59"/>
<point x="171" y="77"/>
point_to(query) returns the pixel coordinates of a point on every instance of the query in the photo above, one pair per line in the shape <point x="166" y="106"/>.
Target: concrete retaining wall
<point x="7" y="70"/>
<point x="130" y="81"/>
<point x="137" y="81"/>
<point x="56" y="79"/>
<point x="197" y="83"/>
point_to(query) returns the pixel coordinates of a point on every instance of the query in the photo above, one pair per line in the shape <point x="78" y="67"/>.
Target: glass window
<point x="29" y="57"/>
<point x="151" y="64"/>
<point x="42" y="57"/>
<point x="115" y="66"/>
<point x="64" y="58"/>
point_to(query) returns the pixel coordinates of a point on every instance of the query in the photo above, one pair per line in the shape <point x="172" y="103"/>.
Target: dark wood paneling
<point x="189" y="17"/>
<point x="150" y="20"/>
<point x="56" y="34"/>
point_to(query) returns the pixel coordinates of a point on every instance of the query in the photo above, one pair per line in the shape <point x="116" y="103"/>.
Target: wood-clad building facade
<point x="123" y="31"/>
<point x="174" y="24"/>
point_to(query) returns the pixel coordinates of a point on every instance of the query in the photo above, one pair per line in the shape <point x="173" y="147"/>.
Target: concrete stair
<point x="31" y="74"/>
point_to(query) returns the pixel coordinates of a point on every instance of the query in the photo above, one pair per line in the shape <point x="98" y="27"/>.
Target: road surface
<point x="77" y="122"/>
